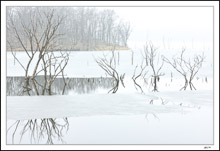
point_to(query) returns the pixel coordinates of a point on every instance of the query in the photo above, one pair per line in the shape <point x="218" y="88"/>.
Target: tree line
<point x="83" y="28"/>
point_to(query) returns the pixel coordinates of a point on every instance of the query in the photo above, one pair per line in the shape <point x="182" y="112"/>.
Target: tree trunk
<point x="155" y="84"/>
<point x="186" y="83"/>
<point x="49" y="90"/>
<point x="27" y="85"/>
<point x="35" y="86"/>
<point x="191" y="85"/>
<point x="45" y="77"/>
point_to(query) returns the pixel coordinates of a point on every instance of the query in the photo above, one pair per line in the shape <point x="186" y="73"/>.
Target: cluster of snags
<point x="155" y="62"/>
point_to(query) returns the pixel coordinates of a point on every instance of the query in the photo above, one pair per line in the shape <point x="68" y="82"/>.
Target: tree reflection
<point x="76" y="85"/>
<point x="47" y="128"/>
<point x="150" y="116"/>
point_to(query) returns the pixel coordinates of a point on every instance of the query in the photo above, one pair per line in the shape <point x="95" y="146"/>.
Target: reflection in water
<point x="38" y="129"/>
<point x="148" y="116"/>
<point x="77" y="85"/>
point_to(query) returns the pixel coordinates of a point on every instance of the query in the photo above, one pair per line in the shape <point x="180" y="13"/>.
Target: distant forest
<point x="78" y="28"/>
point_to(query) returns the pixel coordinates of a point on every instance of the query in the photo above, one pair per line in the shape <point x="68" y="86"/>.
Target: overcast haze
<point x="180" y="26"/>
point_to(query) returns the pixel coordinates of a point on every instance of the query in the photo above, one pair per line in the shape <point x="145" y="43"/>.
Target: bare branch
<point x="150" y="55"/>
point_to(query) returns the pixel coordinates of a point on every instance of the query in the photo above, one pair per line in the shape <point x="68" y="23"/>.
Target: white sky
<point x="182" y="26"/>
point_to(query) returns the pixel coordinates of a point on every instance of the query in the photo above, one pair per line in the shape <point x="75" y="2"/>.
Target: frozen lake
<point x="87" y="114"/>
<point x="183" y="118"/>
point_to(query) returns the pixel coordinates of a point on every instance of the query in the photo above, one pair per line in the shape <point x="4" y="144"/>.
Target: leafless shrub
<point x="109" y="66"/>
<point x="135" y="77"/>
<point x="193" y="67"/>
<point x="150" y="56"/>
<point x="184" y="67"/>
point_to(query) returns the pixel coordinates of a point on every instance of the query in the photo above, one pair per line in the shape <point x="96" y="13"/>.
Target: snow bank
<point x="26" y="107"/>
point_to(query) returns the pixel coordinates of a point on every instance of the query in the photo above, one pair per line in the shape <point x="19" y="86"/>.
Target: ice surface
<point x="32" y="107"/>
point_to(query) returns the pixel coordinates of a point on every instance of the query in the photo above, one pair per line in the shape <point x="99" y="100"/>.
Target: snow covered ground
<point x="127" y="117"/>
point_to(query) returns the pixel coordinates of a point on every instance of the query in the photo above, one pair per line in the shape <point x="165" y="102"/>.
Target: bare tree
<point x="125" y="31"/>
<point x="109" y="66"/>
<point x="55" y="66"/>
<point x="150" y="56"/>
<point x="21" y="35"/>
<point x="135" y="77"/>
<point x="186" y="67"/>
<point x="37" y="35"/>
<point x="178" y="64"/>
<point x="194" y="67"/>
